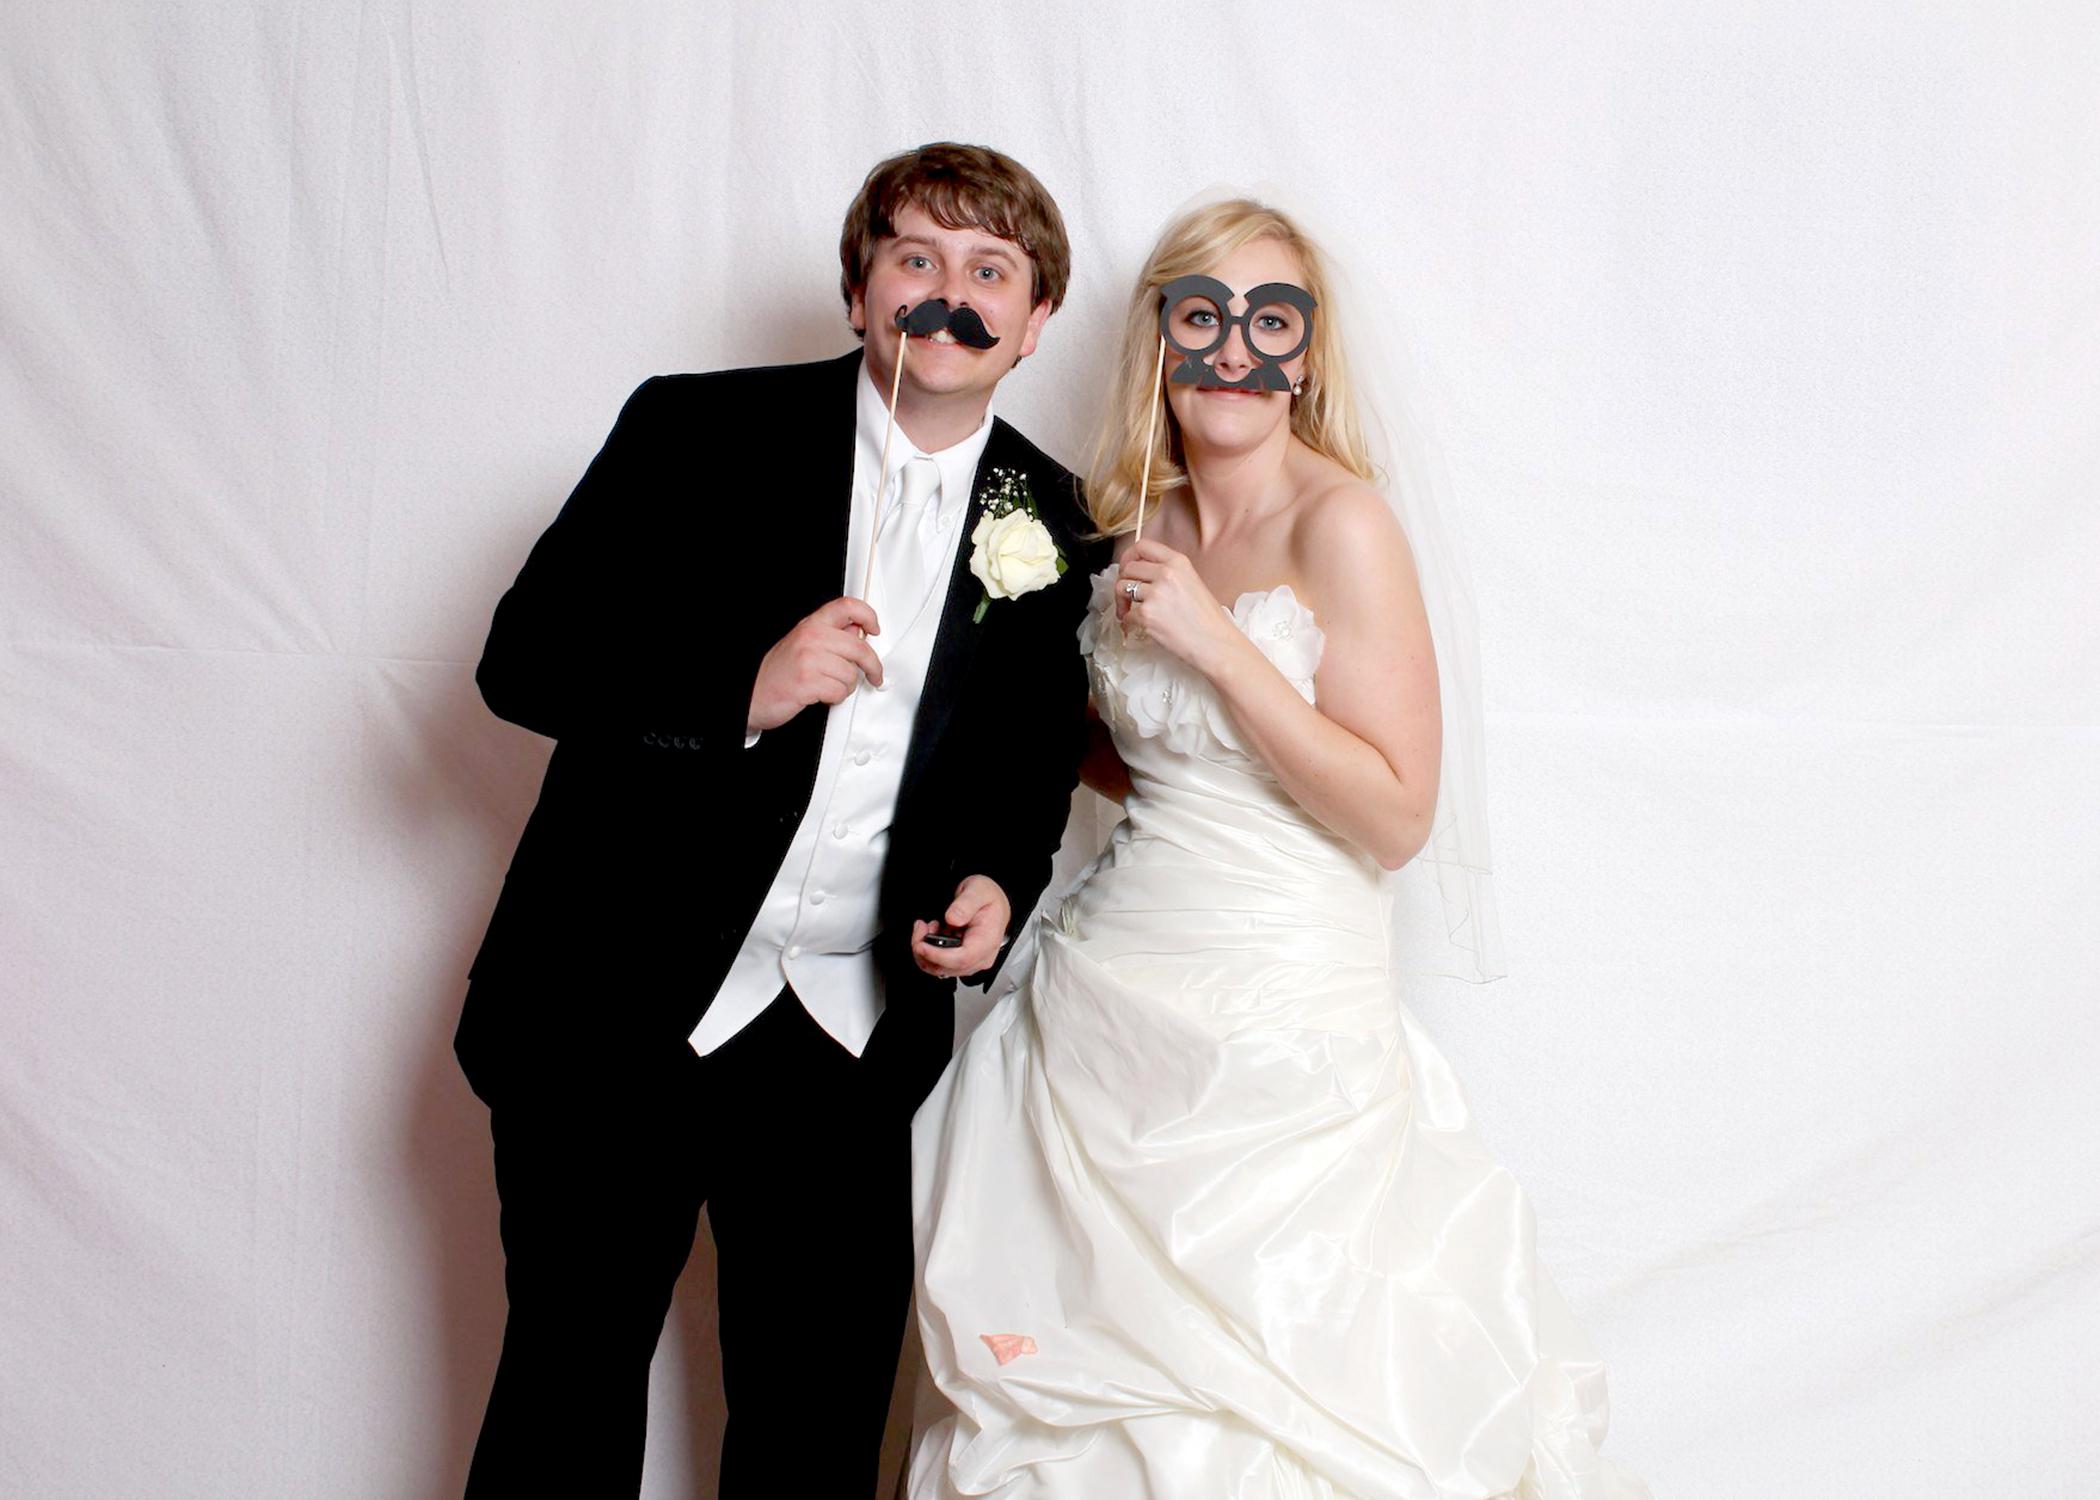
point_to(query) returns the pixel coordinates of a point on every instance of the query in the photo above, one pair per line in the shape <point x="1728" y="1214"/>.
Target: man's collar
<point x="957" y="462"/>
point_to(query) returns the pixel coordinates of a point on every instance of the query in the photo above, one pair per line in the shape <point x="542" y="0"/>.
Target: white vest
<point x="818" y="922"/>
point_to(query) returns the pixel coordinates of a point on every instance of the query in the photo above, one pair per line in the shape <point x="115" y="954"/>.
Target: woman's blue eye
<point x="1270" y="320"/>
<point x="1204" y="318"/>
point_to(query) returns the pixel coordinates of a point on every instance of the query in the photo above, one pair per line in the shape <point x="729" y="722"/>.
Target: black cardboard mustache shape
<point x="1193" y="371"/>
<point x="934" y="314"/>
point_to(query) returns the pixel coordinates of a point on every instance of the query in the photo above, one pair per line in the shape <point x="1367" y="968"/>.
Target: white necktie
<point x="904" y="550"/>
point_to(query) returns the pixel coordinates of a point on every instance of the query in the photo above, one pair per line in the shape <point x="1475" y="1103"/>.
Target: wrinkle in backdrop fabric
<point x="1761" y="347"/>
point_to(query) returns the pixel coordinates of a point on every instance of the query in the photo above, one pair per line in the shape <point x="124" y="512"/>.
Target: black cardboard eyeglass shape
<point x="1267" y="371"/>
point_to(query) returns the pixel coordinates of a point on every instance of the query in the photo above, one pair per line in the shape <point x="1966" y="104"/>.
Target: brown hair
<point x="959" y="187"/>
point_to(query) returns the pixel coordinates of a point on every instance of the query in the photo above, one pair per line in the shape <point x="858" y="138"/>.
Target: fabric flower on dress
<point x="1100" y="609"/>
<point x="1146" y="691"/>
<point x="1275" y="621"/>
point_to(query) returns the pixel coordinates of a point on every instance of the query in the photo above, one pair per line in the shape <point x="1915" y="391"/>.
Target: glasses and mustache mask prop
<point x="1195" y="321"/>
<point x="1196" y="318"/>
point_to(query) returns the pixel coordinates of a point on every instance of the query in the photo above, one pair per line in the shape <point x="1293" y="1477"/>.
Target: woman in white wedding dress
<point x="1200" y="1212"/>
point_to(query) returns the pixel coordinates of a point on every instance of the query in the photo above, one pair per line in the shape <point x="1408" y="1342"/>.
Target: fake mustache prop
<point x="934" y="314"/>
<point x="923" y="321"/>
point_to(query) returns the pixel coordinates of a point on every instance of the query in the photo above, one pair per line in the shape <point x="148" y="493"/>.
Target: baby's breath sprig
<point x="1009" y="557"/>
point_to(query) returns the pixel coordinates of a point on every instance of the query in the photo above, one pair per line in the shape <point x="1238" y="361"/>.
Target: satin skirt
<point x="1200" y="1212"/>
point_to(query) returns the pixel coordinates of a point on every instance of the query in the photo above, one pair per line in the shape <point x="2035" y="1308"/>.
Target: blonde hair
<point x="1324" y="418"/>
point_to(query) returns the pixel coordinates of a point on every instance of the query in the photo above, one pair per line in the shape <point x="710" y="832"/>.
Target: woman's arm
<point x="1101" y="767"/>
<point x="1365" y="762"/>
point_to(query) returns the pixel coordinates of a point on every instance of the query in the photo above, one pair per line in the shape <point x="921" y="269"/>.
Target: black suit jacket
<point x="715" y="518"/>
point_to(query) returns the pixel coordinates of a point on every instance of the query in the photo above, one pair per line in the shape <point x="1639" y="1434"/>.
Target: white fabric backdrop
<point x="1762" y="341"/>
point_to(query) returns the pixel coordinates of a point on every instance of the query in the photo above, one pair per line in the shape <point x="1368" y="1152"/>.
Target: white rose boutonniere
<point x="1012" y="551"/>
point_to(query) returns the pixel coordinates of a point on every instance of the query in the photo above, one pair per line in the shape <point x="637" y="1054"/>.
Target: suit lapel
<point x="834" y="520"/>
<point x="955" y="645"/>
<point x="813" y="428"/>
<point x="805" y="515"/>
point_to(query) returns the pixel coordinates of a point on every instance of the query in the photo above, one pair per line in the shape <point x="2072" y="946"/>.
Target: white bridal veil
<point x="1449" y="887"/>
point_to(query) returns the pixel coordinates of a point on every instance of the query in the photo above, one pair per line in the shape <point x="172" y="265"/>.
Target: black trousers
<point x="802" y="1154"/>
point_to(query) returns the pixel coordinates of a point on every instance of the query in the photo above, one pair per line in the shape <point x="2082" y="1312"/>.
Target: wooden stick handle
<point x="882" y="480"/>
<point x="1151" y="426"/>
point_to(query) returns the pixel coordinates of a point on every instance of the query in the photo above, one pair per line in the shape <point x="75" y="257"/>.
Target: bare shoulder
<point x="1170" y="523"/>
<point x="1347" y="544"/>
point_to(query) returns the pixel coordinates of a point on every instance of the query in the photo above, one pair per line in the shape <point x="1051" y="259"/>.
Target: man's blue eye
<point x="918" y="262"/>
<point x="989" y="273"/>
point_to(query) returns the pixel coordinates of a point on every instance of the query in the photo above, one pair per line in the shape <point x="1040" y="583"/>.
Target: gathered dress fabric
<point x="1199" y="1208"/>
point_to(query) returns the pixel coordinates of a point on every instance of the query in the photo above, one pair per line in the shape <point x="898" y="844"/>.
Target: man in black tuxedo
<point x="714" y="974"/>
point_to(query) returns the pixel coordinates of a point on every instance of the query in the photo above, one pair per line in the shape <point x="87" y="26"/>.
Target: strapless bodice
<point x="1206" y="821"/>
